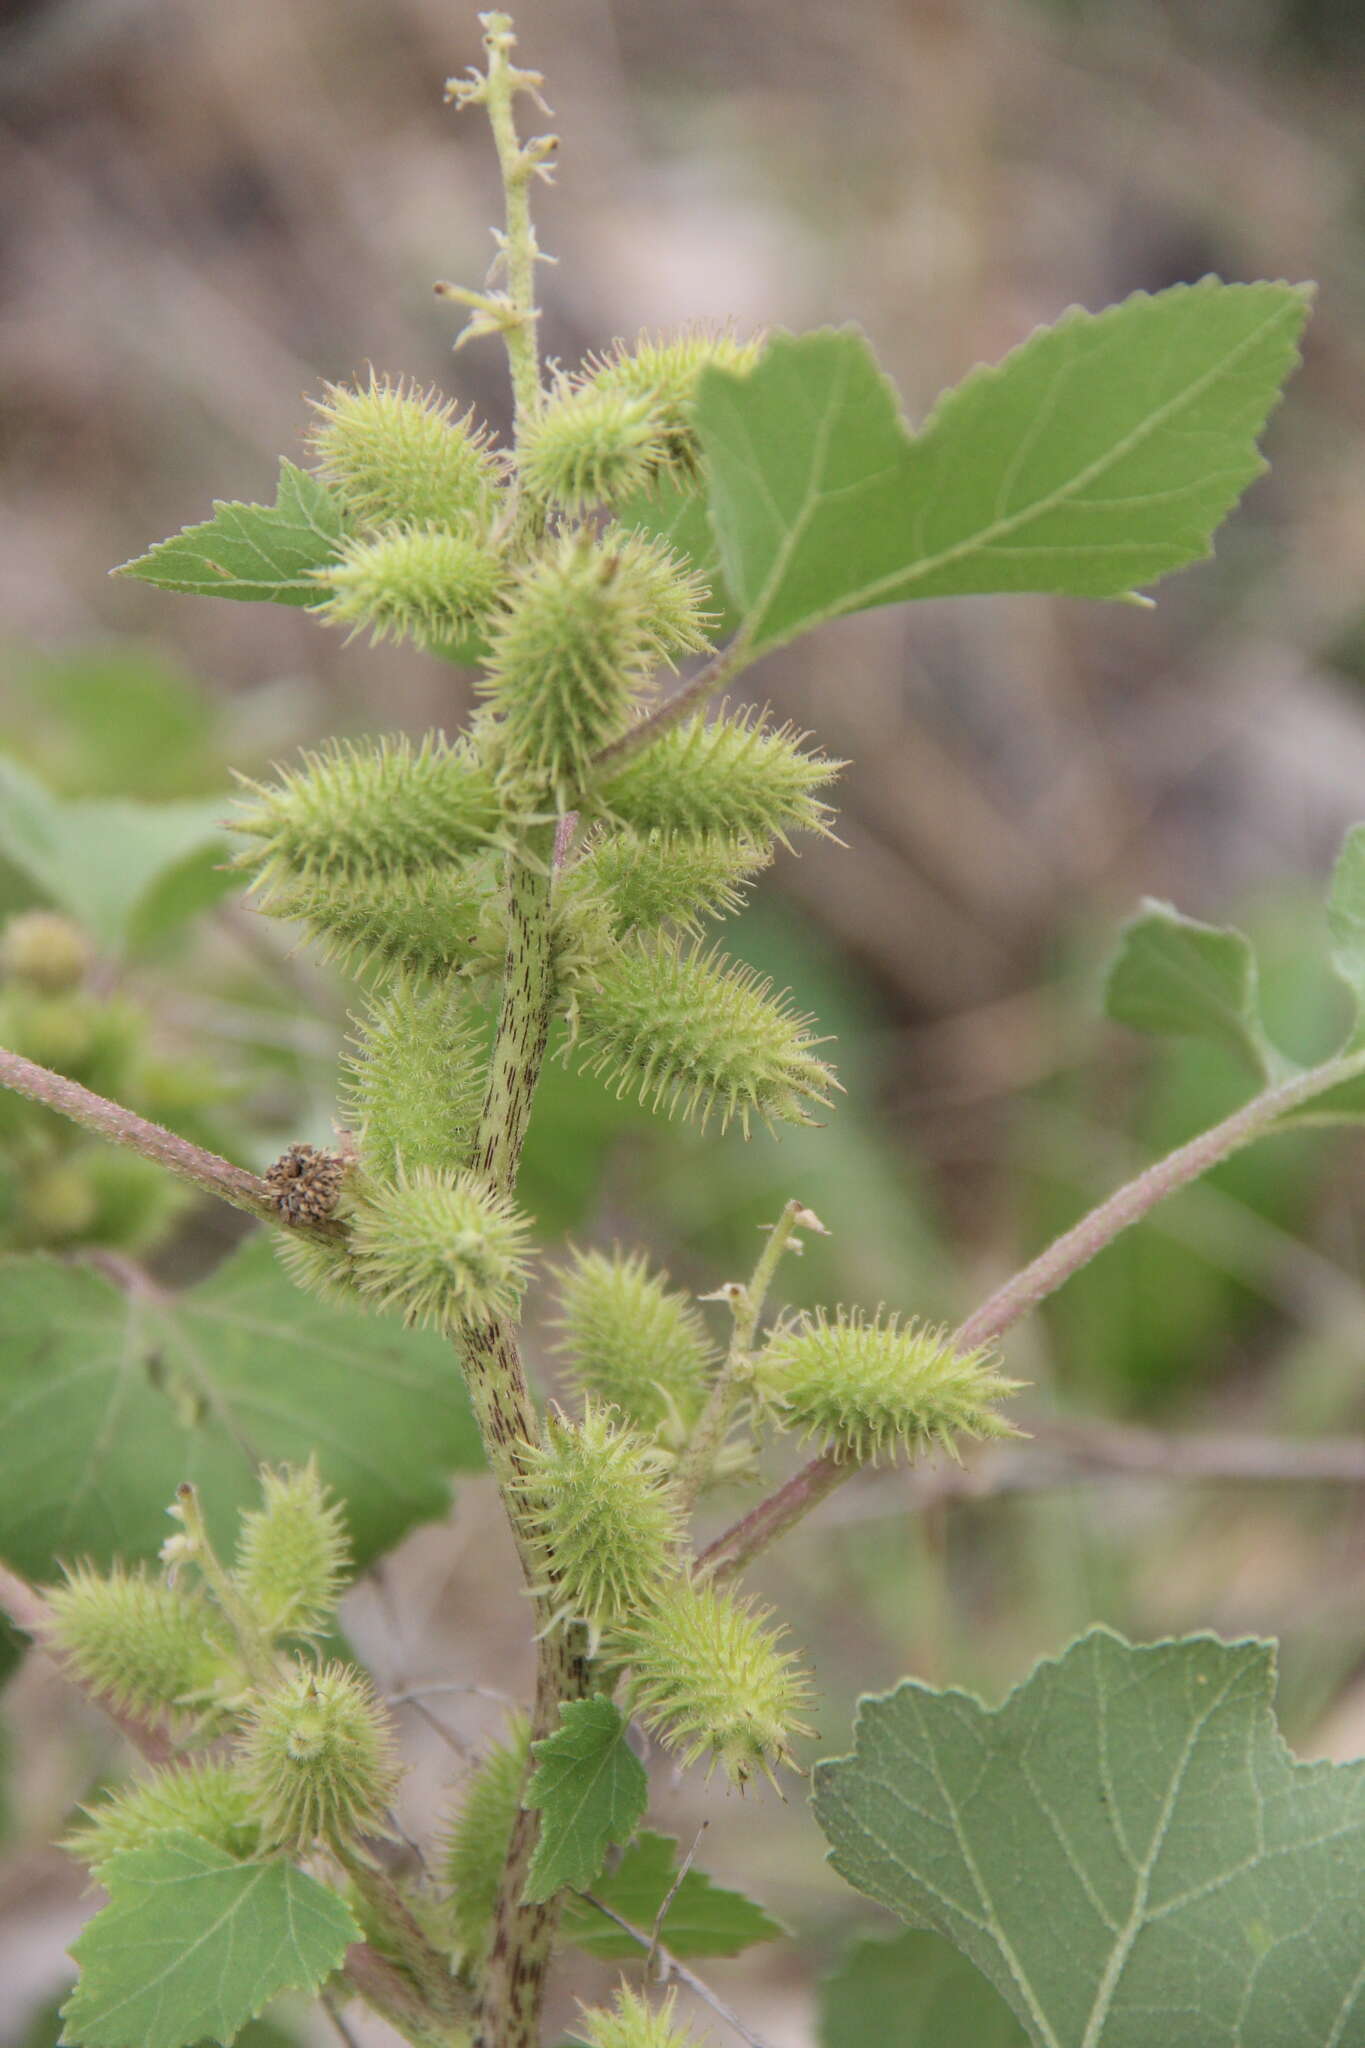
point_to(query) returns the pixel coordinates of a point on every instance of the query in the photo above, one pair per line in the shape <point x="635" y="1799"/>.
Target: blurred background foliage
<point x="209" y="210"/>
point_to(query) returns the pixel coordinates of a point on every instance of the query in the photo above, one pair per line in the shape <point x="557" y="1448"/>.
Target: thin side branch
<point x="669" y="1966"/>
<point x="1042" y="1276"/>
<point x="231" y="1184"/>
<point x="724" y="665"/>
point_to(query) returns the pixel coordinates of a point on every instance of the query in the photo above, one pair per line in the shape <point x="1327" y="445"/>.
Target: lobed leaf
<point x="192" y="1945"/>
<point x="589" y="1788"/>
<point x="1125" y="1847"/>
<point x="1100" y="454"/>
<point x="258" y="553"/>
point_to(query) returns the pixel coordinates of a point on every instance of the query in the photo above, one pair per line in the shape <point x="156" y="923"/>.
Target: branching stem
<point x="1075" y="1248"/>
<point x="123" y="1127"/>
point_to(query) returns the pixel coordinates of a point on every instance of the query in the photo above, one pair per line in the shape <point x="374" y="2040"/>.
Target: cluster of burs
<point x="59" y="1187"/>
<point x="444" y="871"/>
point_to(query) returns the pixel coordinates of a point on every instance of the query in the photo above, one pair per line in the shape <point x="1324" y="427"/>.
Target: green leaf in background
<point x="912" y="1992"/>
<point x="259" y="553"/>
<point x="1177" y="978"/>
<point x="108" y="1400"/>
<point x="1125" y="1847"/>
<point x="45" y="2031"/>
<point x="192" y="1945"/>
<point x="1346" y="918"/>
<point x="589" y="1788"/>
<point x="127" y="872"/>
<point x="1100" y="454"/>
<point x="703" y="1920"/>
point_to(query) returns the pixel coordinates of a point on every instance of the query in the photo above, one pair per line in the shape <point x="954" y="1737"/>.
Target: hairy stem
<point x="720" y="670"/>
<point x="1075" y="1248"/>
<point x="123" y="1127"/>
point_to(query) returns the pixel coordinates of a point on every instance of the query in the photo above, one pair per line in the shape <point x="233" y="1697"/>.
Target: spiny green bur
<point x="707" y="1677"/>
<point x="148" y="1647"/>
<point x="416" y="1080"/>
<point x="293" y="1555"/>
<point x="868" y="1387"/>
<point x="208" y="1798"/>
<point x="683" y="1029"/>
<point x="317" y="1753"/>
<point x="628" y="1338"/>
<point x="601" y="1506"/>
<point x="630" y="2022"/>
<point x="476" y="1847"/>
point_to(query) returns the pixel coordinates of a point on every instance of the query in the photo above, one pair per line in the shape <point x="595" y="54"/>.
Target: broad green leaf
<point x="127" y="872"/>
<point x="703" y="1920"/>
<point x="1346" y="917"/>
<point x="259" y="553"/>
<point x="1125" y="1847"/>
<point x="590" y="1789"/>
<point x="108" y="1400"/>
<point x="1178" y="978"/>
<point x="1101" y="454"/>
<point x="913" y="1992"/>
<point x="192" y="1945"/>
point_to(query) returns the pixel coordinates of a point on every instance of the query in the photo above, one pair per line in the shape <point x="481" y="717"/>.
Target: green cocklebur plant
<point x="543" y="883"/>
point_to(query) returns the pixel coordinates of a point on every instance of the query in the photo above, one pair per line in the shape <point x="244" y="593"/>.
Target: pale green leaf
<point x="703" y="1919"/>
<point x="127" y="872"/>
<point x="913" y="1992"/>
<point x="1177" y="978"/>
<point x="193" y="1945"/>
<point x="109" y="1399"/>
<point x="589" y="1788"/>
<point x="1099" y="455"/>
<point x="1125" y="1847"/>
<point x="259" y="553"/>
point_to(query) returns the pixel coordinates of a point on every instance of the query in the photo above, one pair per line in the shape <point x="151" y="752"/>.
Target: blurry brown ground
<point x="209" y="208"/>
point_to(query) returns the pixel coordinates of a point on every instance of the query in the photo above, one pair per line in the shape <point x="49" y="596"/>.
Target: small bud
<point x="58" y="1202"/>
<point x="568" y="660"/>
<point x="597" y="1498"/>
<point x="147" y="1647"/>
<point x="476" y="1847"/>
<point x="631" y="2023"/>
<point x="708" y="1679"/>
<point x="419" y="583"/>
<point x="211" y="1800"/>
<point x="317" y="1753"/>
<point x="631" y="1341"/>
<point x="416" y="1080"/>
<point x="591" y="447"/>
<point x="444" y="1248"/>
<point x="736" y="777"/>
<point x="306" y="1183"/>
<point x="869" y="1388"/>
<point x="368" y="810"/>
<point x="666" y="374"/>
<point x="47" y="952"/>
<point x="293" y="1554"/>
<point x="696" y="1032"/>
<point x="393" y="453"/>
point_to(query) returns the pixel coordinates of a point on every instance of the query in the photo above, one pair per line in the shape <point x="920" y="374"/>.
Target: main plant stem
<point x="514" y="1977"/>
<point x="1075" y="1248"/>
